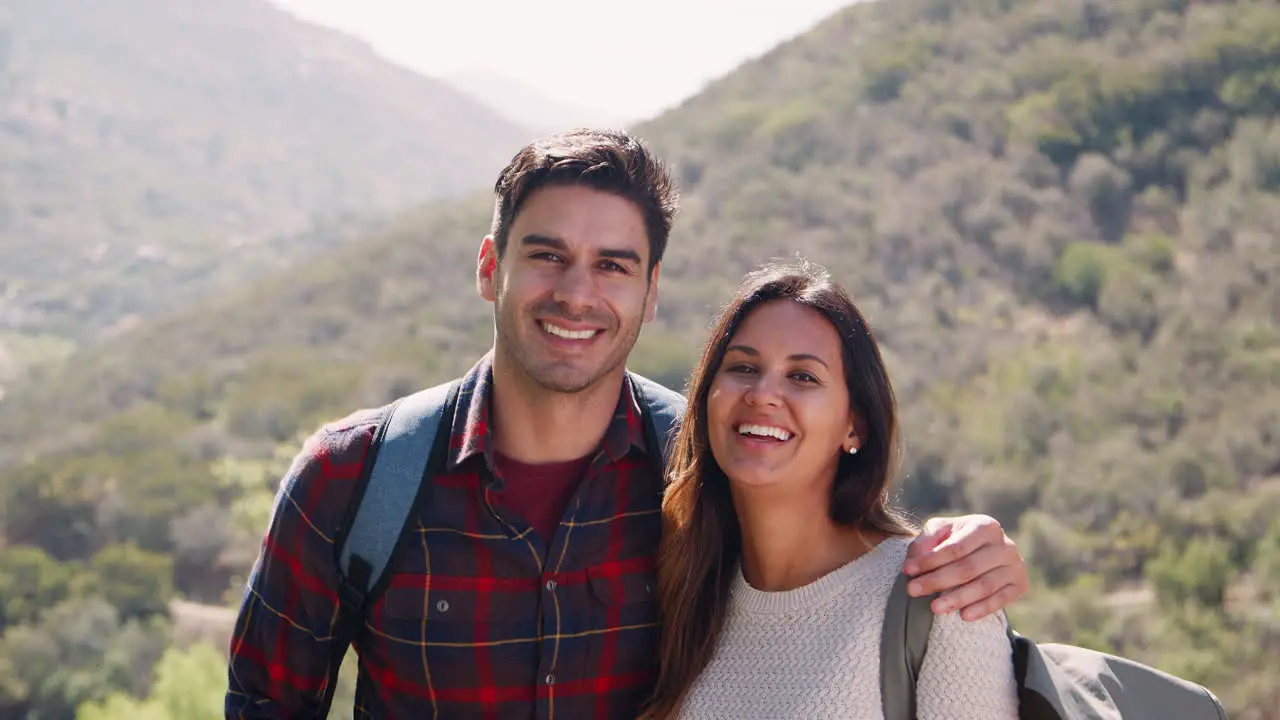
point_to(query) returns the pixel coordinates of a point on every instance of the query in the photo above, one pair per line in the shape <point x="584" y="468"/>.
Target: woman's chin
<point x="753" y="477"/>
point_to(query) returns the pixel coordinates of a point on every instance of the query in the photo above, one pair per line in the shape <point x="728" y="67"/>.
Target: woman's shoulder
<point x="968" y="669"/>
<point x="896" y="545"/>
<point x="888" y="556"/>
<point x="882" y="561"/>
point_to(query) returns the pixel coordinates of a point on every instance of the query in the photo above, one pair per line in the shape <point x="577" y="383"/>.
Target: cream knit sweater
<point x="814" y="652"/>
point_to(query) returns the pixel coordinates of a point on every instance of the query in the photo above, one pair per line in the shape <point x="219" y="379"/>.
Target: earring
<point x="853" y="451"/>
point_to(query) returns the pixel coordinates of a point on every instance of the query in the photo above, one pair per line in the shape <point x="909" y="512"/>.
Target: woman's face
<point x="778" y="412"/>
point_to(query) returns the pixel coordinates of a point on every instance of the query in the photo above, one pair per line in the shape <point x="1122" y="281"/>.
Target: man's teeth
<point x="568" y="334"/>
<point x="764" y="431"/>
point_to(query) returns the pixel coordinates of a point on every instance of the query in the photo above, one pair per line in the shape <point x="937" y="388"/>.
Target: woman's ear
<point x="853" y="442"/>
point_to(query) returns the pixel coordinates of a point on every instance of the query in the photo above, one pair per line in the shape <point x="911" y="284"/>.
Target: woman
<point x="779" y="546"/>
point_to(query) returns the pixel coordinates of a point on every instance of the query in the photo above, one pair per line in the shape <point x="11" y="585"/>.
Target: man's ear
<point x="487" y="269"/>
<point x="651" y="298"/>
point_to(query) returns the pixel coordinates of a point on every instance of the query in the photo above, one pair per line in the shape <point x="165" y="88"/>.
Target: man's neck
<point x="534" y="425"/>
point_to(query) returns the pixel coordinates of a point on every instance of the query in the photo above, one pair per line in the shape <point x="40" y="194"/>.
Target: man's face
<point x="572" y="288"/>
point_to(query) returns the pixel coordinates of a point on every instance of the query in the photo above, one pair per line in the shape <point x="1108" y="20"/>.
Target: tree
<point x="1198" y="573"/>
<point x="189" y="685"/>
<point x="30" y="582"/>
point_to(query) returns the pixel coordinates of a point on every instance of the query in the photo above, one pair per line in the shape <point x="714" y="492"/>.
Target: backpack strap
<point x="395" y="477"/>
<point x="663" y="409"/>
<point x="407" y="448"/>
<point x="903" y="642"/>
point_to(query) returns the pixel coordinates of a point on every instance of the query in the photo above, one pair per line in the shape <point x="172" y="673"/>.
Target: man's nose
<point x="575" y="290"/>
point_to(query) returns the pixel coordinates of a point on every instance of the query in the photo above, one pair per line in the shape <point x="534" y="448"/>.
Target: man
<point x="524" y="588"/>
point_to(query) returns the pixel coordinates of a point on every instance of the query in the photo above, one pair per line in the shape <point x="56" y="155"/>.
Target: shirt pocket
<point x="624" y="610"/>
<point x="454" y="636"/>
<point x="612" y="589"/>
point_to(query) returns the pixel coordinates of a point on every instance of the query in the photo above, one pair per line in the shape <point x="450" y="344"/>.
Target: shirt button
<point x="442" y="605"/>
<point x="550" y="678"/>
<point x="551" y="585"/>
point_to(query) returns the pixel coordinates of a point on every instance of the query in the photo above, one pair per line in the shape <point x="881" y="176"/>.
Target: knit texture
<point x="814" y="652"/>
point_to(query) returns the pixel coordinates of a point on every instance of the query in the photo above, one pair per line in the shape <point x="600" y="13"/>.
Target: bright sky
<point x="631" y="59"/>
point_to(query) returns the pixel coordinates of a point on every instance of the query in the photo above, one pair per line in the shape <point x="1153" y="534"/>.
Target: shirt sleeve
<point x="968" y="670"/>
<point x="282" y="646"/>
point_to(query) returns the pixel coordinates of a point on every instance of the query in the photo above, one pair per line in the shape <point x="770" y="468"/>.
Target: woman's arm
<point x="967" y="671"/>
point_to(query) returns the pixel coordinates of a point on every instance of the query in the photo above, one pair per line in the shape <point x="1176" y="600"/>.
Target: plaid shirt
<point x="476" y="622"/>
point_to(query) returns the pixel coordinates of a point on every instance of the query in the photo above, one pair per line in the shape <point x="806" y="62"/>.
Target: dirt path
<point x="195" y="622"/>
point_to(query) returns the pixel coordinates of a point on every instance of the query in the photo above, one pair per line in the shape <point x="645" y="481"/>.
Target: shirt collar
<point x="472" y="420"/>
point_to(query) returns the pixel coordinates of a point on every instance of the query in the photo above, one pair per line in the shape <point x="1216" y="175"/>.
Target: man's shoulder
<point x="356" y="428"/>
<point x="331" y="460"/>
<point x="658" y="397"/>
<point x="339" y="441"/>
<point x="355" y="422"/>
<point x="658" y="388"/>
<point x="338" y="445"/>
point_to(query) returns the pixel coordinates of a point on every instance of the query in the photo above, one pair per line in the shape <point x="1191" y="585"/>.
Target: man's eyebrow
<point x="748" y="350"/>
<point x="554" y="243"/>
<point x="613" y="254"/>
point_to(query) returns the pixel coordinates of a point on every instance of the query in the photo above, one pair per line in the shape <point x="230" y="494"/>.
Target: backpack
<point x="406" y="451"/>
<point x="1055" y="681"/>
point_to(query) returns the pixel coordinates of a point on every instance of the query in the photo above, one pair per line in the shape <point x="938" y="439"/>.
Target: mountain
<point x="529" y="107"/>
<point x="162" y="148"/>
<point x="1059" y="216"/>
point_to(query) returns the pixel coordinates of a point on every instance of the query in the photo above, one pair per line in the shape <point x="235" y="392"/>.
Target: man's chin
<point x="567" y="378"/>
<point x="565" y="372"/>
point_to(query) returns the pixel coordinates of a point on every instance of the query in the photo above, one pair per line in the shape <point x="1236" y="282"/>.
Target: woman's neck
<point x="786" y="545"/>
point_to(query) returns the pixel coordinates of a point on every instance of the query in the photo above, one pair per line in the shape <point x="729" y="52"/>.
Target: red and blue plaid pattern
<point x="476" y="622"/>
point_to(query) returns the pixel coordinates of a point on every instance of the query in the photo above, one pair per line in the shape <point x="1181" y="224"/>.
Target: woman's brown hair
<point x="701" y="543"/>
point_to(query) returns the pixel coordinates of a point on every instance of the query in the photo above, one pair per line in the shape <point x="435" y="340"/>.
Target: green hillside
<point x="165" y="148"/>
<point x="1059" y="215"/>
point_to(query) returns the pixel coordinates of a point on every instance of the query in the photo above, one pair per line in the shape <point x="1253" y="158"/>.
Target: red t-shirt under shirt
<point x="540" y="493"/>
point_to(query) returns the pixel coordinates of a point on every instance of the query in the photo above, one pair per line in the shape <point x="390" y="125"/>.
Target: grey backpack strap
<point x="664" y="409"/>
<point x="395" y="476"/>
<point x="904" y="639"/>
<point x="391" y="484"/>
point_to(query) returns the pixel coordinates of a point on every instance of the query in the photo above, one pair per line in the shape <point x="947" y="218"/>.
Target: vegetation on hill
<point x="164" y="149"/>
<point x="1059" y="215"/>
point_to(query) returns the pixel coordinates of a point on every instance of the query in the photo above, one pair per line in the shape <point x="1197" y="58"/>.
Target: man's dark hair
<point x="607" y="160"/>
